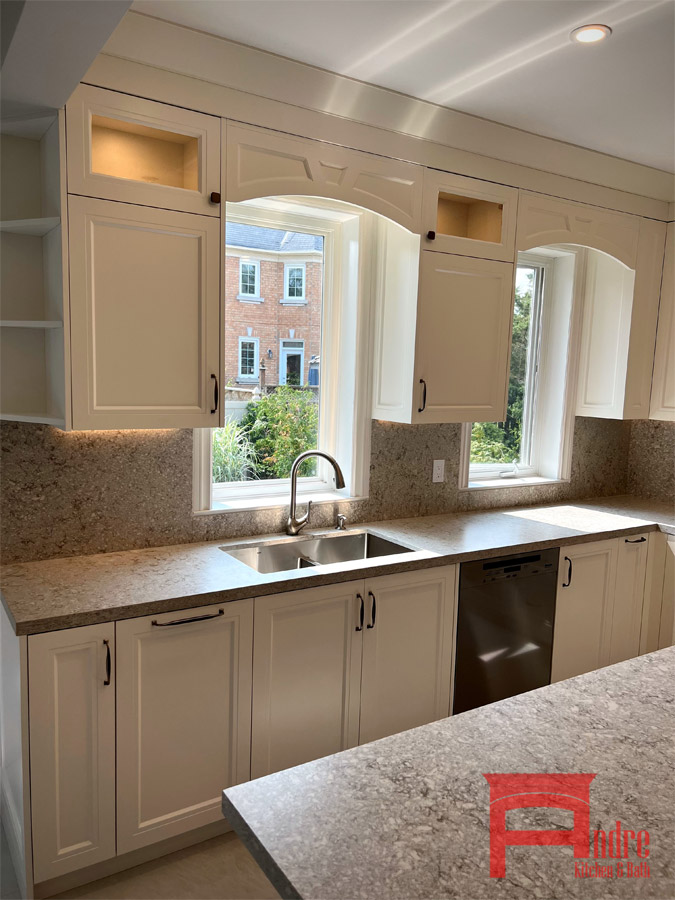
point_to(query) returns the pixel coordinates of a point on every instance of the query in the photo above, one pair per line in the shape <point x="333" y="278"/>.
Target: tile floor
<point x="218" y="869"/>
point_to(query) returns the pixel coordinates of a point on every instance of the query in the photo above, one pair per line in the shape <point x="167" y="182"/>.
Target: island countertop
<point x="85" y="590"/>
<point x="408" y="816"/>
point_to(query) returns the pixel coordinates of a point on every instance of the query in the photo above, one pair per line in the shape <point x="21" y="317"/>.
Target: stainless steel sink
<point x="312" y="550"/>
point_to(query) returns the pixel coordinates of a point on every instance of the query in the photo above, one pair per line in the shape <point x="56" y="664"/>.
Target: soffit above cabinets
<point x="510" y="61"/>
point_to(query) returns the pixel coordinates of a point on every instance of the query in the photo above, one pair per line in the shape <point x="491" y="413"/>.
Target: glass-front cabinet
<point x="138" y="151"/>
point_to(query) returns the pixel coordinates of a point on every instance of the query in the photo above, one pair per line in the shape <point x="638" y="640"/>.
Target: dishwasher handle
<point x="569" y="573"/>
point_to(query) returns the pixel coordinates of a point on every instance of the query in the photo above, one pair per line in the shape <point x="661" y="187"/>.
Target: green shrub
<point x="233" y="456"/>
<point x="280" y="426"/>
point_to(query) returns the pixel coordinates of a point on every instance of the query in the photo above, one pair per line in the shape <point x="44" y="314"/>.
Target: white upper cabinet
<point x="183" y="718"/>
<point x="72" y="748"/>
<point x="145" y="317"/>
<point x="663" y="386"/>
<point x="468" y="216"/>
<point x="138" y="151"/>
<point x="262" y="163"/>
<point x="463" y="338"/>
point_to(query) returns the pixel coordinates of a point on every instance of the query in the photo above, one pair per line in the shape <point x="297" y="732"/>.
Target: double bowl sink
<point x="309" y="551"/>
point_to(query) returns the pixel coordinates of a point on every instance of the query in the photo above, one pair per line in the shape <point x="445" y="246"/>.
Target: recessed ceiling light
<point x="590" y="34"/>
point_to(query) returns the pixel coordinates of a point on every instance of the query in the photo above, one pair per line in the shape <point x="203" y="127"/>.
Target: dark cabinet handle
<point x="215" y="197"/>
<point x="373" y="610"/>
<point x="108" y="662"/>
<point x="362" y="611"/>
<point x="215" y="395"/>
<point x="431" y="235"/>
<point x="157" y="624"/>
<point x="424" y="396"/>
<point x="640" y="540"/>
<point x="569" y="574"/>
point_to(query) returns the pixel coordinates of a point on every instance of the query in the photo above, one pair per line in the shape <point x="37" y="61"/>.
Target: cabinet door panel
<point x="463" y="339"/>
<point x="663" y="388"/>
<point x="145" y="313"/>
<point x="72" y="748"/>
<point x="583" y="614"/>
<point x="184" y="714"/>
<point x="629" y="597"/>
<point x="263" y="163"/>
<point x="306" y="676"/>
<point x="407" y="654"/>
<point x="138" y="151"/>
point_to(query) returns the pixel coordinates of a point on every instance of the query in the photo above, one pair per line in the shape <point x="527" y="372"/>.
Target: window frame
<point x="302" y="300"/>
<point x="338" y="224"/>
<point x="247" y="261"/>
<point x="255" y="377"/>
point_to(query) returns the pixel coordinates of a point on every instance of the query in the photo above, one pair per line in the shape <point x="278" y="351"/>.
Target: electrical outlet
<point x="438" y="472"/>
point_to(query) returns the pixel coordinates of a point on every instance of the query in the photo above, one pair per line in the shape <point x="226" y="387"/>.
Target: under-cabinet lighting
<point x="590" y="34"/>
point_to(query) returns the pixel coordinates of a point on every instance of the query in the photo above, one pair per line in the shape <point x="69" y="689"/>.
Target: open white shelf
<point x="33" y="227"/>
<point x="30" y="323"/>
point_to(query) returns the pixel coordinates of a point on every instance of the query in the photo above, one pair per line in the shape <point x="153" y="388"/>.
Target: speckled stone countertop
<point x="408" y="816"/>
<point x="83" y="590"/>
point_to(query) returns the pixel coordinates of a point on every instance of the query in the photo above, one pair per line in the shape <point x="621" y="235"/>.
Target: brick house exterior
<point x="272" y="306"/>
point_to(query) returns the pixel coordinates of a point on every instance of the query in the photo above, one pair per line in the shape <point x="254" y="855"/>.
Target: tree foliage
<point x="233" y="454"/>
<point x="500" y="442"/>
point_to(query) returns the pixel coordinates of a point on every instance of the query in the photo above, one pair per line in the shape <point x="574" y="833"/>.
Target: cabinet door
<point x="583" y="612"/>
<point x="138" y="151"/>
<point x="262" y="163"/>
<point x="183" y="718"/>
<point x="468" y="216"/>
<point x="145" y="317"/>
<point x="306" y="676"/>
<point x="463" y="339"/>
<point x="407" y="651"/>
<point x="72" y="748"/>
<point x="629" y="596"/>
<point x="663" y="386"/>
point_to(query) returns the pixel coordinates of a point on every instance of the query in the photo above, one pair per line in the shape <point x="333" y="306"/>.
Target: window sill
<point x="246" y="299"/>
<point x="285" y="302"/>
<point x="274" y="501"/>
<point x="489" y="484"/>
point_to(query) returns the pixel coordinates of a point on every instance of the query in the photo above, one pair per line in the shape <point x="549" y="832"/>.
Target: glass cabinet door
<point x="137" y="151"/>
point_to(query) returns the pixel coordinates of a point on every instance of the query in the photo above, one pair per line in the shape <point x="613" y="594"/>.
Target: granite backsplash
<point x="66" y="494"/>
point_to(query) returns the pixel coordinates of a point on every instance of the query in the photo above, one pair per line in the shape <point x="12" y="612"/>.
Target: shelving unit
<point x="33" y="291"/>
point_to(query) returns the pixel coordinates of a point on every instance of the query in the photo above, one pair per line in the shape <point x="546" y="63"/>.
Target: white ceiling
<point x="510" y="61"/>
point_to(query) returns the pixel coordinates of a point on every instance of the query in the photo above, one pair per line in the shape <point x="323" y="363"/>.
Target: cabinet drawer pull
<point x="221" y="612"/>
<point x="569" y="574"/>
<point x="359" y="627"/>
<point x="215" y="395"/>
<point x="373" y="610"/>
<point x="431" y="235"/>
<point x="639" y="540"/>
<point x="108" y="662"/>
<point x="215" y="197"/>
<point x="424" y="395"/>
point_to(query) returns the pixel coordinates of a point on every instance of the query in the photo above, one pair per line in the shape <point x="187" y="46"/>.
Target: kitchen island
<point x="409" y="816"/>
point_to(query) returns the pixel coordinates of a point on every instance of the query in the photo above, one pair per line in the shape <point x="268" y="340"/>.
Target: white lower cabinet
<point x="599" y="605"/>
<point x="345" y="664"/>
<point x="72" y="748"/>
<point x="183" y="718"/>
<point x="407" y="651"/>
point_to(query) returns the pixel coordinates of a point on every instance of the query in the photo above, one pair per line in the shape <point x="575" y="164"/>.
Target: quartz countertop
<point x="408" y="816"/>
<point x="65" y="593"/>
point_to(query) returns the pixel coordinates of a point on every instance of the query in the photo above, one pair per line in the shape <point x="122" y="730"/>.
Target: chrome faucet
<point x="294" y="523"/>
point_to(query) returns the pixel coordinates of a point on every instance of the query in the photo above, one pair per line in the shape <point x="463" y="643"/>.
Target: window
<point x="294" y="283"/>
<point x="533" y="443"/>
<point x="249" y="279"/>
<point x="248" y="359"/>
<point x="313" y="389"/>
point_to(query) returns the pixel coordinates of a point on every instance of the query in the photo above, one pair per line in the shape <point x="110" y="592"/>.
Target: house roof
<point x="255" y="237"/>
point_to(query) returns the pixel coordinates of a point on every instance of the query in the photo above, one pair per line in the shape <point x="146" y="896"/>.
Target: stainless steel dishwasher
<point x="504" y="627"/>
